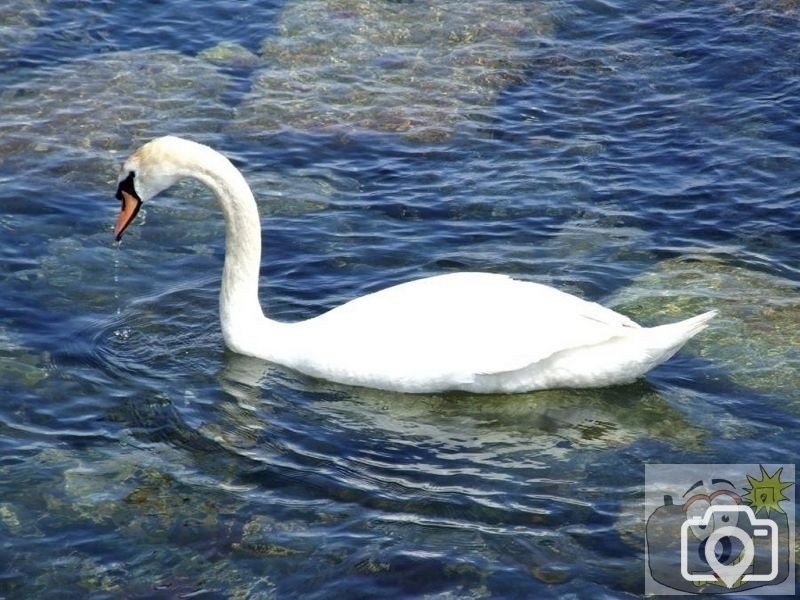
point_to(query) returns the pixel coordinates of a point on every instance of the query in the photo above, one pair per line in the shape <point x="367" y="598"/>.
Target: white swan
<point x="475" y="332"/>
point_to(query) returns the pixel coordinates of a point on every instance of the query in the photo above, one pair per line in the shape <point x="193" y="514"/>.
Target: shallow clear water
<point x="643" y="154"/>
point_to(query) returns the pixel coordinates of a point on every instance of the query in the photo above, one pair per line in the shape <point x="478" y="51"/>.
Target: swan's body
<point x="476" y="332"/>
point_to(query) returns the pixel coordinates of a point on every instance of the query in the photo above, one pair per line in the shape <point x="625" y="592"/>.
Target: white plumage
<point x="476" y="332"/>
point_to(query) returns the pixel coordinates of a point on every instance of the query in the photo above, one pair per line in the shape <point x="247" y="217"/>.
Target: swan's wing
<point x="463" y="324"/>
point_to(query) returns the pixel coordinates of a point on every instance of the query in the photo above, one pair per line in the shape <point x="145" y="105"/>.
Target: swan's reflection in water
<point x="552" y="423"/>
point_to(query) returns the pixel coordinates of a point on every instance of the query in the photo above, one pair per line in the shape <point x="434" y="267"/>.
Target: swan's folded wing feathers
<point x="465" y="324"/>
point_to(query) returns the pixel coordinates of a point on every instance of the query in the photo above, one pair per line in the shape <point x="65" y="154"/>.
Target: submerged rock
<point x="230" y="54"/>
<point x="756" y="337"/>
<point x="418" y="68"/>
<point x="78" y="120"/>
<point x="18" y="22"/>
<point x="76" y="493"/>
<point x="764" y="10"/>
<point x="19" y="365"/>
<point x="9" y="517"/>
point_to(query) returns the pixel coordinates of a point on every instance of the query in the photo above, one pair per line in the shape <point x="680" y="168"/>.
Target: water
<point x="643" y="154"/>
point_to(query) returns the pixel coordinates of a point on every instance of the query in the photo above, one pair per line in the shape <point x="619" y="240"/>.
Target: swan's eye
<point x="126" y="185"/>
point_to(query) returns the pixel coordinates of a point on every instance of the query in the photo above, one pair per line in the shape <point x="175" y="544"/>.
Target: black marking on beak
<point x="126" y="185"/>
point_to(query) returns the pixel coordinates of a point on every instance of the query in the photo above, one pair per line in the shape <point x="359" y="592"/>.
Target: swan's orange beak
<point x="130" y="207"/>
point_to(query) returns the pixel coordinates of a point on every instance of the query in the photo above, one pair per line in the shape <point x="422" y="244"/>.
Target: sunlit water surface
<point x="641" y="154"/>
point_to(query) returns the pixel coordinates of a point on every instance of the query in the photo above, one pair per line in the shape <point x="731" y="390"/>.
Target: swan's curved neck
<point x="240" y="310"/>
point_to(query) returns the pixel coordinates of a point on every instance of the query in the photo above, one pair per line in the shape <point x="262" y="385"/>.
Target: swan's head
<point x="154" y="167"/>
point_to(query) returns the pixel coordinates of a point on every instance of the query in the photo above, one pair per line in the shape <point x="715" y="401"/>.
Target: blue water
<point x="614" y="140"/>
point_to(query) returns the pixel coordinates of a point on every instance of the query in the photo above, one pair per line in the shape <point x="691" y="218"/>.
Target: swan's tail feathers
<point x="694" y="325"/>
<point x="666" y="340"/>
